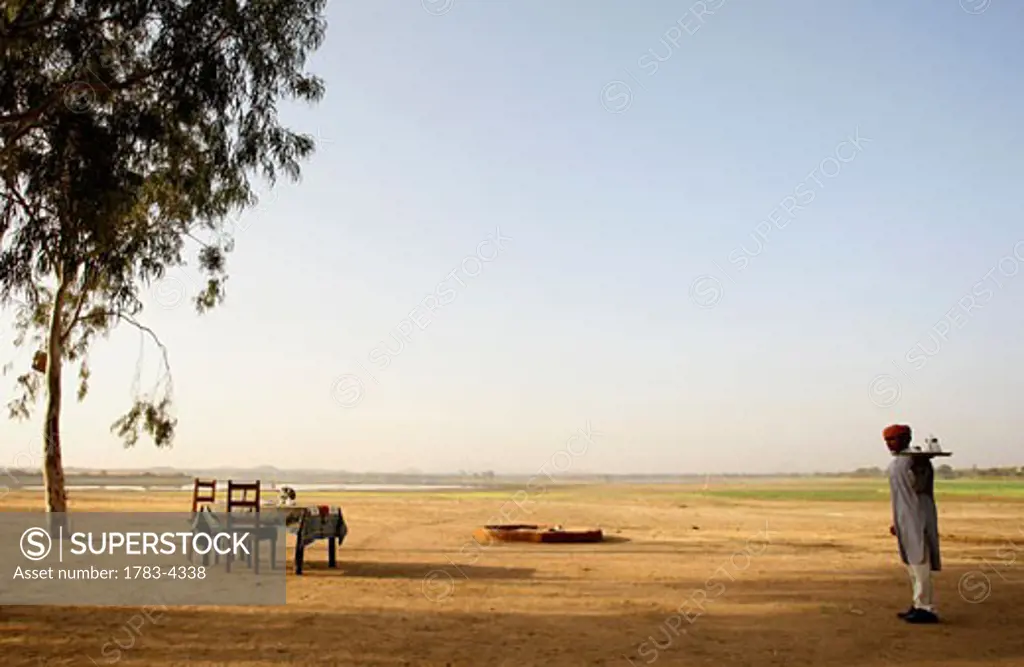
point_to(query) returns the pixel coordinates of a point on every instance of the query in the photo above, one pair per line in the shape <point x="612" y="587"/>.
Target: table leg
<point x="332" y="552"/>
<point x="300" y="548"/>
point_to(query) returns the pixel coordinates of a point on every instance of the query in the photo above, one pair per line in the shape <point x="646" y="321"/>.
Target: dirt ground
<point x="687" y="580"/>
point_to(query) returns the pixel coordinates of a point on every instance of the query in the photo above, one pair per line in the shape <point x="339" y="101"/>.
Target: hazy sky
<point x="739" y="241"/>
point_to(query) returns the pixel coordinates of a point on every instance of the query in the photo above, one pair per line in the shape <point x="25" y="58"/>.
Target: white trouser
<point x="921" y="578"/>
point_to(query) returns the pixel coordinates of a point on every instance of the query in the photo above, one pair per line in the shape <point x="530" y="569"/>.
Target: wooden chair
<point x="267" y="532"/>
<point x="204" y="494"/>
<point x="204" y="497"/>
<point x="244" y="502"/>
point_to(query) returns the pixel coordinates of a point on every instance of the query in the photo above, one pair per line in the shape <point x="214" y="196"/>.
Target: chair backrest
<point x="244" y="501"/>
<point x="204" y="492"/>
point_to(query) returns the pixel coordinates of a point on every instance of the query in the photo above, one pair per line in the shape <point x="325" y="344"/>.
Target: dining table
<point x="309" y="525"/>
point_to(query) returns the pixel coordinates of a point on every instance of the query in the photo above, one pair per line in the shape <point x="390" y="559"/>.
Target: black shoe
<point x="921" y="616"/>
<point x="908" y="612"/>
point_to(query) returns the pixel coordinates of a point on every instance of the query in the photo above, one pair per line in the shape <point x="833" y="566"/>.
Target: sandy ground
<point x="686" y="581"/>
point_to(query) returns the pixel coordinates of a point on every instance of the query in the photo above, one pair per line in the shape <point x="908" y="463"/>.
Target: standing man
<point x="915" y="521"/>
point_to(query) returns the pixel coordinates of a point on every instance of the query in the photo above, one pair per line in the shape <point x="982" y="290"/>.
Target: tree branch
<point x="83" y="293"/>
<point x="29" y="119"/>
<point x="10" y="30"/>
<point x="119" y="315"/>
<point x="30" y="115"/>
<point x="14" y="193"/>
<point x="198" y="240"/>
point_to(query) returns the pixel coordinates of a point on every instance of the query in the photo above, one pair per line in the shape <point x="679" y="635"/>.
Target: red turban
<point x="896" y="431"/>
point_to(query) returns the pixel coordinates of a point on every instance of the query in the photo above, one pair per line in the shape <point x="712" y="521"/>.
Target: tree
<point x="127" y="128"/>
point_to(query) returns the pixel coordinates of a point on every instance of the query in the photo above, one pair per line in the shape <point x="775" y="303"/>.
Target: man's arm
<point x="924" y="476"/>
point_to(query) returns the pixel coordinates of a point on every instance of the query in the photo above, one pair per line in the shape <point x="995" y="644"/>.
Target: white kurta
<point x="914" y="516"/>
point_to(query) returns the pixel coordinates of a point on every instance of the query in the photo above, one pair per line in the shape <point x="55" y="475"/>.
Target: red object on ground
<point x="532" y="533"/>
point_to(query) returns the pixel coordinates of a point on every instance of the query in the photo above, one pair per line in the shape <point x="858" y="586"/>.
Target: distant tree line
<point x="945" y="471"/>
<point x="487" y="474"/>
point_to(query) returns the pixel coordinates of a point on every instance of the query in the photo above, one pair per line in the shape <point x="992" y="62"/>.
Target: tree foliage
<point x="129" y="129"/>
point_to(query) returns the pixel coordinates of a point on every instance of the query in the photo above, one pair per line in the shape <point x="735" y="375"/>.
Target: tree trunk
<point x="53" y="466"/>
